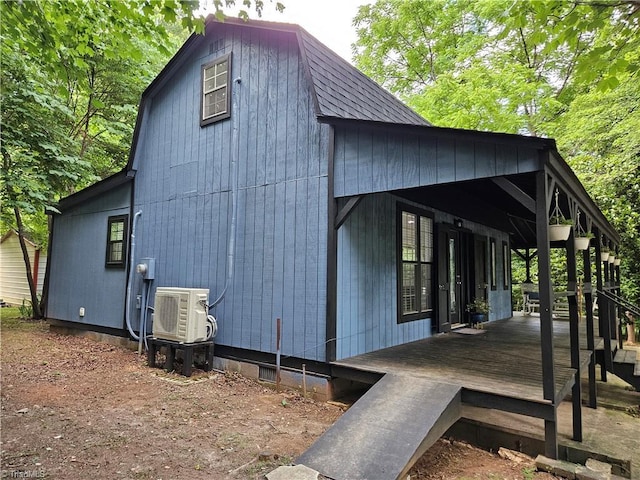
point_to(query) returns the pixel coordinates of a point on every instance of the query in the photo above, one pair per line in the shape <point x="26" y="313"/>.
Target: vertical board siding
<point x="366" y="302"/>
<point x="367" y="278"/>
<point x="428" y="170"/>
<point x="368" y="161"/>
<point x="78" y="276"/>
<point x="184" y="188"/>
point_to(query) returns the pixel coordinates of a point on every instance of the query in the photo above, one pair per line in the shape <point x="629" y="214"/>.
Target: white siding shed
<point x="13" y="277"/>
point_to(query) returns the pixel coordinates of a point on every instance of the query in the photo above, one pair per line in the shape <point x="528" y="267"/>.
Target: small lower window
<point x="117" y="241"/>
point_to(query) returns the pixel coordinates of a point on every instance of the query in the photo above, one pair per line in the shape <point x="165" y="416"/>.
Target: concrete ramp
<point x="383" y="434"/>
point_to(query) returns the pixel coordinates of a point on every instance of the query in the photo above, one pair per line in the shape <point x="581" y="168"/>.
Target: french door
<point x="456" y="277"/>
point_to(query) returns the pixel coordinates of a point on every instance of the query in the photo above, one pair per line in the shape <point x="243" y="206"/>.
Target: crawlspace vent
<point x="267" y="374"/>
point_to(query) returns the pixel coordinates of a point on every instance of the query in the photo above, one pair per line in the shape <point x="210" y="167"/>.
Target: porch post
<point x="332" y="258"/>
<point x="574" y="337"/>
<point x="602" y="310"/>
<point x="620" y="313"/>
<point x="546" y="322"/>
<point x="588" y="306"/>
<point x="613" y="308"/>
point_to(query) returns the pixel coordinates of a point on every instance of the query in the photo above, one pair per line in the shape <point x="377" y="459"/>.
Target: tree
<point x="599" y="135"/>
<point x="459" y="66"/>
<point x="605" y="32"/>
<point x="35" y="151"/>
<point x="566" y="69"/>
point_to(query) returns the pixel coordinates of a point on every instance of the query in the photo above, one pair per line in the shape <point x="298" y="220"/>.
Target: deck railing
<point x="621" y="304"/>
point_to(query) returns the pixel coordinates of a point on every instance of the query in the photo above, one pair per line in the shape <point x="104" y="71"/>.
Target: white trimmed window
<point x="215" y="90"/>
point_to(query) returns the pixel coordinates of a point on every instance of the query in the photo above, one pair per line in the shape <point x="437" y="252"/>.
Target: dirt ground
<point x="73" y="407"/>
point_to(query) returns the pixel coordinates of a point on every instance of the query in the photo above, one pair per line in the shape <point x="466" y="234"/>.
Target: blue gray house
<point x="270" y="171"/>
<point x="357" y="222"/>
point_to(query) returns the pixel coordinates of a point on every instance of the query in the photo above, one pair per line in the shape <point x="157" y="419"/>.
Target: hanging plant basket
<point x="617" y="262"/>
<point x="559" y="232"/>
<point x="582" y="238"/>
<point x="612" y="258"/>
<point x="559" y="226"/>
<point x="604" y="255"/>
<point x="582" y="243"/>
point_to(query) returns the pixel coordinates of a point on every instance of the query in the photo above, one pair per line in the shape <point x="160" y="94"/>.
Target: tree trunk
<point x="631" y="328"/>
<point x="37" y="312"/>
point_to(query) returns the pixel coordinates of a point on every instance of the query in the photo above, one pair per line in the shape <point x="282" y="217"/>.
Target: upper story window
<point x="117" y="241"/>
<point x="215" y="90"/>
<point x="415" y="276"/>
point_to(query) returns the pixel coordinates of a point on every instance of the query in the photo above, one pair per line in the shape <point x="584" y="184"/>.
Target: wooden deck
<point x="503" y="362"/>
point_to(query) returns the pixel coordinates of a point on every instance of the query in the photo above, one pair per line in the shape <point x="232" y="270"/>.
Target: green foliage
<point x="26" y="309"/>
<point x="478" y="306"/>
<point x="528" y="473"/>
<point x="567" y="70"/>
<point x="452" y="62"/>
<point x="36" y="151"/>
<point x="604" y="34"/>
<point x="560" y="220"/>
<point x="12" y="319"/>
<point x="599" y="135"/>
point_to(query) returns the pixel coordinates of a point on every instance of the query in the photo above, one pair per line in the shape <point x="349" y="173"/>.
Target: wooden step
<point x="625" y="356"/>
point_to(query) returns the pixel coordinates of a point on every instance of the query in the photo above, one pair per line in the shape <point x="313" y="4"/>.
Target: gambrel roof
<point x="340" y="90"/>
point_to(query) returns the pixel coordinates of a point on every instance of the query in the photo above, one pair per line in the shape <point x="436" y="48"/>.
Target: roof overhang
<point x="94" y="190"/>
<point x="504" y="202"/>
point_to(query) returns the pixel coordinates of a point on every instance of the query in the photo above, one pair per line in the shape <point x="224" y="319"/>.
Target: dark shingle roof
<point x="342" y="91"/>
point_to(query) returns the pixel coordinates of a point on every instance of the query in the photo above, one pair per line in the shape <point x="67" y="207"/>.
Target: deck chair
<point x="561" y="305"/>
<point x="530" y="298"/>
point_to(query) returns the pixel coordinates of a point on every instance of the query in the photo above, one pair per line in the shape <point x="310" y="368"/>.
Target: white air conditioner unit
<point x="180" y="314"/>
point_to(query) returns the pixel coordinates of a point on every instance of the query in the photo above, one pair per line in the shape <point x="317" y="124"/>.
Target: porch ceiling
<point x="483" y="201"/>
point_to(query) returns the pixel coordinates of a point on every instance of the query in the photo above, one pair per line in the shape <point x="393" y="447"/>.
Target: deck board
<point x="505" y="360"/>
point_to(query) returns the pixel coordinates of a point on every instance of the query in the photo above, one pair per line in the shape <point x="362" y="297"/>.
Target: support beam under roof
<point x="515" y="192"/>
<point x="346" y="210"/>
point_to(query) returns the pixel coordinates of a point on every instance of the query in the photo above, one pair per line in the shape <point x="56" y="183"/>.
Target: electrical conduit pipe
<point x="234" y="188"/>
<point x="130" y="280"/>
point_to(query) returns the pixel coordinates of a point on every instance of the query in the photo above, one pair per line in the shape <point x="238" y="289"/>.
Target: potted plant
<point x="583" y="240"/>
<point x="604" y="254"/>
<point x="478" y="311"/>
<point x="559" y="228"/>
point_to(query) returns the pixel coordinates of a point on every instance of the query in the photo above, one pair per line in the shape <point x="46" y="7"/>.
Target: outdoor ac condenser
<point x="180" y="314"/>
